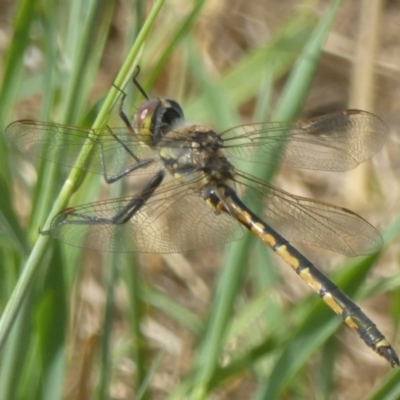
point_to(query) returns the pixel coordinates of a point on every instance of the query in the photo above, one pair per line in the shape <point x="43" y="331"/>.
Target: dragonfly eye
<point x="156" y="117"/>
<point x="173" y="112"/>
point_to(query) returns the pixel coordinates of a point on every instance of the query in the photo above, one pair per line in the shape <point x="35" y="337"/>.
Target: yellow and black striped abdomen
<point x="341" y="304"/>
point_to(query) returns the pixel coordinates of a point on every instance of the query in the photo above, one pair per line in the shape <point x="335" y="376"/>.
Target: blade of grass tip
<point x="41" y="245"/>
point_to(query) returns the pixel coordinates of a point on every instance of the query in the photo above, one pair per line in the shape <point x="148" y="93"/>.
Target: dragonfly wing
<point x="62" y="144"/>
<point x="173" y="220"/>
<point x="333" y="142"/>
<point x="316" y="223"/>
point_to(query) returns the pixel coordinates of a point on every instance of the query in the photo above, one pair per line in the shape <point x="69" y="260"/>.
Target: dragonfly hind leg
<point x="89" y="214"/>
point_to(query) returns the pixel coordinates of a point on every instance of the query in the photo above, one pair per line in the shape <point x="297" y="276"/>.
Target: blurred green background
<point x="233" y="323"/>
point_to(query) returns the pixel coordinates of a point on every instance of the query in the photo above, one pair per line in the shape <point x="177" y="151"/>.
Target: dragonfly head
<point x="156" y="117"/>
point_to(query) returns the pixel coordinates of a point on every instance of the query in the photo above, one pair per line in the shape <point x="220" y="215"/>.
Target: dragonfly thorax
<point x="194" y="153"/>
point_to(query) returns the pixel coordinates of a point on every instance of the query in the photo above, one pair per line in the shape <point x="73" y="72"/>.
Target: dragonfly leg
<point x="137" y="165"/>
<point x="139" y="200"/>
<point x="121" y="112"/>
<point x="77" y="216"/>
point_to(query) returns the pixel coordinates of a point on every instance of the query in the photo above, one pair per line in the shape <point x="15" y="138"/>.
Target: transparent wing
<point x="175" y="219"/>
<point x="62" y="144"/>
<point x="333" y="142"/>
<point x="302" y="220"/>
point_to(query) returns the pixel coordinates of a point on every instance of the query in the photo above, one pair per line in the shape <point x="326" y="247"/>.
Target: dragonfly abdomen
<point x="339" y="302"/>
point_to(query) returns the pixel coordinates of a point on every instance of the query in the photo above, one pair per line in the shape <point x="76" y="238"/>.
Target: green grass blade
<point x="389" y="389"/>
<point x="14" y="67"/>
<point x="41" y="245"/>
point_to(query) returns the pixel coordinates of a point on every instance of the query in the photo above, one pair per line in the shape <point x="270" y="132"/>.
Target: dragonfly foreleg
<point x="136" y="165"/>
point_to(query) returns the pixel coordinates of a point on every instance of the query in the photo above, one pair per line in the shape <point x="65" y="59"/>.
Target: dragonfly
<point x="191" y="195"/>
